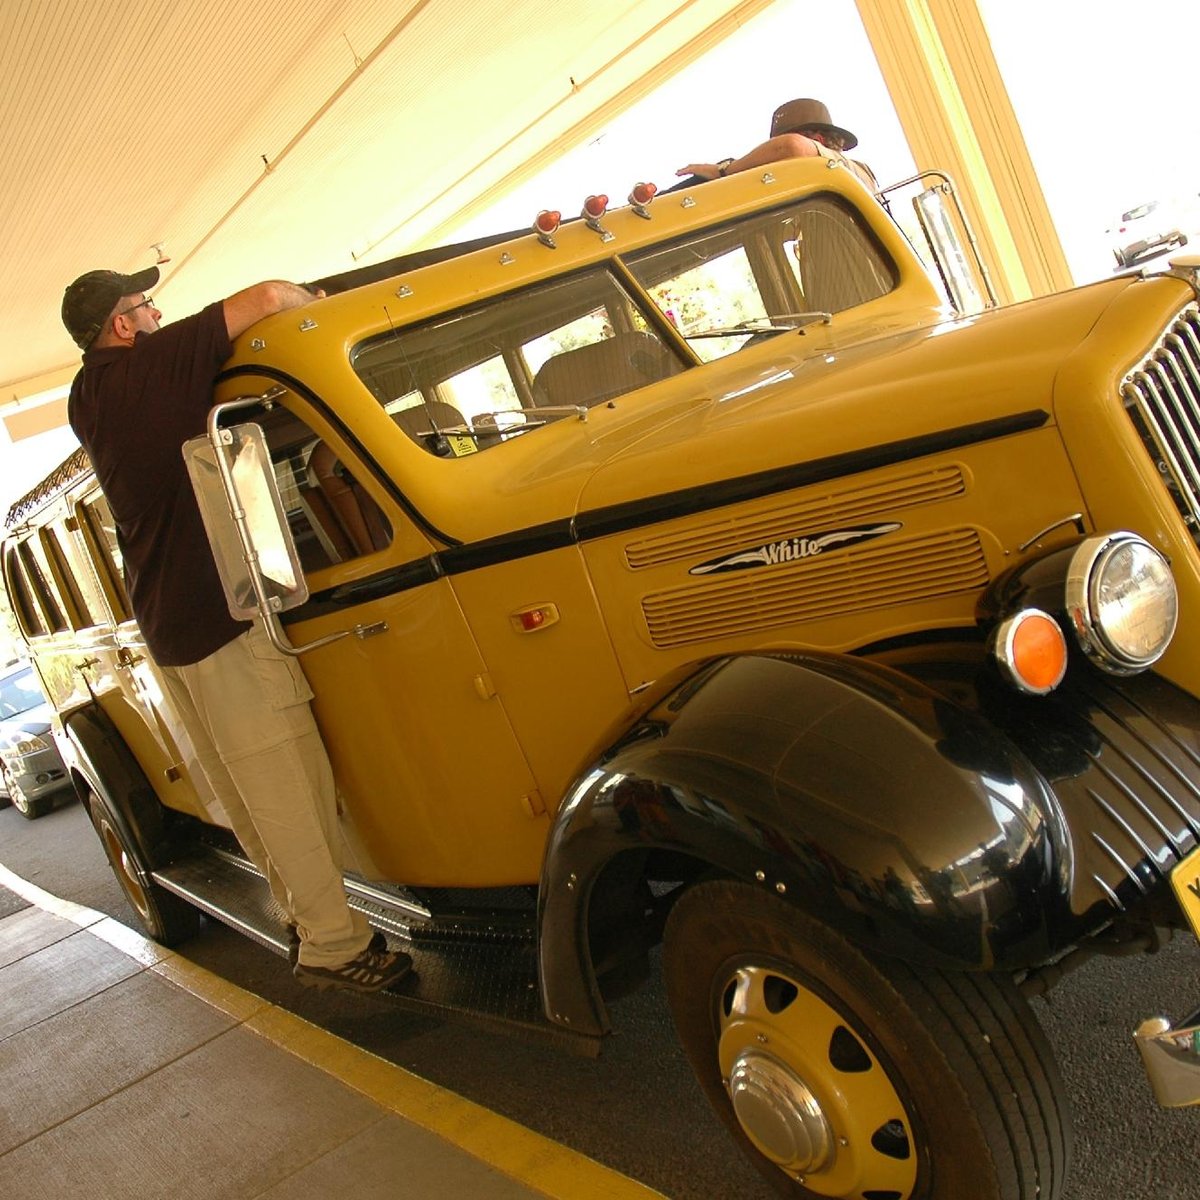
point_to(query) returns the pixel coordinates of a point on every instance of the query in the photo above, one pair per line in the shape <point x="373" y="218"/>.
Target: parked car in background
<point x="1146" y="229"/>
<point x="32" y="774"/>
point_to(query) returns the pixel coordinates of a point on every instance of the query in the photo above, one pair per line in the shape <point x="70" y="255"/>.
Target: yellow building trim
<point x="950" y="97"/>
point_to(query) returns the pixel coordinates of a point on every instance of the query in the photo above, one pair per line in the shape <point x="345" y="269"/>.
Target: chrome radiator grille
<point x="1162" y="396"/>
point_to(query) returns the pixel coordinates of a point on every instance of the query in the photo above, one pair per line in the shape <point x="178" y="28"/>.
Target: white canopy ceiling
<point x="256" y="139"/>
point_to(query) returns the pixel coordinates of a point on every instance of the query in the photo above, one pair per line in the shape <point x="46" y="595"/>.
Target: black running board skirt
<point x="485" y="981"/>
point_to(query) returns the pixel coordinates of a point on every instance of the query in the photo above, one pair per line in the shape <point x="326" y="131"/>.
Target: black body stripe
<point x="635" y="514"/>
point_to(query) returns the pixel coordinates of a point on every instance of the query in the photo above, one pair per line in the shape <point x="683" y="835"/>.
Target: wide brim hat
<point x="803" y="116"/>
<point x="90" y="298"/>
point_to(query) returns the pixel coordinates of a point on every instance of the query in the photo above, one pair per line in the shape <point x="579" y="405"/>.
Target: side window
<point x="331" y="515"/>
<point x="100" y="533"/>
<point x="37" y="570"/>
<point x="81" y="588"/>
<point x="472" y="380"/>
<point x="20" y="591"/>
<point x="765" y="273"/>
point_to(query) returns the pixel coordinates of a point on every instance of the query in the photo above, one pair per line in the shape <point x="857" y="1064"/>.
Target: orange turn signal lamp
<point x="1031" y="651"/>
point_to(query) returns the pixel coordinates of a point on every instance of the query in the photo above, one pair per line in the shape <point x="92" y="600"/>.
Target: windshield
<point x="728" y="287"/>
<point x="19" y="694"/>
<point x="479" y="377"/>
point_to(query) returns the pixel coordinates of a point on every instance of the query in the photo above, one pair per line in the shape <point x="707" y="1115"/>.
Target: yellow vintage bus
<point x="706" y="572"/>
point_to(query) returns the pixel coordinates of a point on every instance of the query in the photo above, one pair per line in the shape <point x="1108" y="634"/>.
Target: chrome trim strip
<point x="1113" y="897"/>
<point x="364" y="891"/>
<point x="1130" y="832"/>
<point x="1141" y="887"/>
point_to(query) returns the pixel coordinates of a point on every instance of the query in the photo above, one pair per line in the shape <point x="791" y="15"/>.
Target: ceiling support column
<point x="938" y="65"/>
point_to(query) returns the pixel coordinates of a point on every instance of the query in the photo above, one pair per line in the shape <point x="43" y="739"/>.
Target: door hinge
<point x="533" y="805"/>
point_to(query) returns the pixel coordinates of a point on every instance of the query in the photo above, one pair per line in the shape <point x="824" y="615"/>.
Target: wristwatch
<point x="723" y="165"/>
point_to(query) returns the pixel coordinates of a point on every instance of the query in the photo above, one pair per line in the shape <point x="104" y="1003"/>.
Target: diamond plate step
<point x="485" y="976"/>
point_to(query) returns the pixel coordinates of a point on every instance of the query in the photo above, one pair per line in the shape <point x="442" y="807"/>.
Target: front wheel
<point x="844" y="1077"/>
<point x="167" y="918"/>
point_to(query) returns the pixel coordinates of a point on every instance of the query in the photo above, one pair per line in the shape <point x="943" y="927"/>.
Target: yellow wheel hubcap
<point x="809" y="1093"/>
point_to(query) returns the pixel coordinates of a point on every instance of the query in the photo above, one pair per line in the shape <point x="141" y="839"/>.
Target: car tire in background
<point x="29" y="809"/>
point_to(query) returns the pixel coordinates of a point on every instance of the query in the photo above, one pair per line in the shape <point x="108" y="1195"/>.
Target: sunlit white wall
<point x="1105" y="93"/>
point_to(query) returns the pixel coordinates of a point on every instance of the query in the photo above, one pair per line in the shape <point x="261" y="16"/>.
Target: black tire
<point x="846" y="1077"/>
<point x="167" y="918"/>
<point x="29" y="809"/>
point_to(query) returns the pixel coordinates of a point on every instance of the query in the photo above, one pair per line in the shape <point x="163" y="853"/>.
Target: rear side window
<point x="100" y="531"/>
<point x="36" y="568"/>
<point x="74" y="567"/>
<point x="20" y="593"/>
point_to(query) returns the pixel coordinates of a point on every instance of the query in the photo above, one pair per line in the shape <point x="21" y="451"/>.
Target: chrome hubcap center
<point x="780" y="1114"/>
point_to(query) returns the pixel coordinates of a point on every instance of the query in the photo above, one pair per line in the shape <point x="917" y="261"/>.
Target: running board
<point x="1171" y="1057"/>
<point x="488" y="979"/>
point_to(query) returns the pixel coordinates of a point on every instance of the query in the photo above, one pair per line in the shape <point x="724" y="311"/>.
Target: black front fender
<point x="902" y="818"/>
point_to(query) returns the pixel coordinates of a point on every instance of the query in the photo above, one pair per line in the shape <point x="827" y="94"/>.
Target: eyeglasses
<point x="147" y="303"/>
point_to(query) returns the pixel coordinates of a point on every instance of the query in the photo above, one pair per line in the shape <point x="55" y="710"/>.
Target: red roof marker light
<point x="546" y="224"/>
<point x="641" y="196"/>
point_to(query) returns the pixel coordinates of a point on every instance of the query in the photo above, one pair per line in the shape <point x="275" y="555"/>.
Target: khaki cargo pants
<point x="246" y="710"/>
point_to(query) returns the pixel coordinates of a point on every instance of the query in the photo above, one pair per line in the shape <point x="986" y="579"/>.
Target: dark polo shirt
<point x="133" y="408"/>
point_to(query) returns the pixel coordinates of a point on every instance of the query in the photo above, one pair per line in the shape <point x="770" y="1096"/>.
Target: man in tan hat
<point x="799" y="129"/>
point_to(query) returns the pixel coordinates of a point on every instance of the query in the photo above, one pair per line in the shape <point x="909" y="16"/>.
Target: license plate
<point x="1185" y="879"/>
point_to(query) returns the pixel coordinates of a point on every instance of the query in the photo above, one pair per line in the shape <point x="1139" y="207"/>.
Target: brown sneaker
<point x="377" y="943"/>
<point x="368" y="971"/>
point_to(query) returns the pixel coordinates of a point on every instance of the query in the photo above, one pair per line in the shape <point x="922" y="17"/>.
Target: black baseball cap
<point x="88" y="301"/>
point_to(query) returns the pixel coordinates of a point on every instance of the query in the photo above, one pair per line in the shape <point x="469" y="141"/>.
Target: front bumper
<point x="1146" y="245"/>
<point x="38" y="774"/>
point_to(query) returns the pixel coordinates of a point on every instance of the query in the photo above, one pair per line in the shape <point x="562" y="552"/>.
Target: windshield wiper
<point x="765" y="325"/>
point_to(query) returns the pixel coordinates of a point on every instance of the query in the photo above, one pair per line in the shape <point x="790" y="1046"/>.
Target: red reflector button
<point x="539" y="616"/>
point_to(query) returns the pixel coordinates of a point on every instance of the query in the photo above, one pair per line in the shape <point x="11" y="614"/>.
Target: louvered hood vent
<point x="874" y="574"/>
<point x="816" y="512"/>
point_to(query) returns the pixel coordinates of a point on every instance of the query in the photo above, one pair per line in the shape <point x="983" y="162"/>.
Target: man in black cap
<point x="799" y="129"/>
<point x="141" y="393"/>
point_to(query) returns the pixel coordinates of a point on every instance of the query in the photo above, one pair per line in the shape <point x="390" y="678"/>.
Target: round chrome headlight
<point x="1122" y="601"/>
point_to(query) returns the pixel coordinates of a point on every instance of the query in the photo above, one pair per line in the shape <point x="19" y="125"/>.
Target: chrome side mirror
<point x="231" y="473"/>
<point x="949" y="246"/>
<point x="267" y="559"/>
